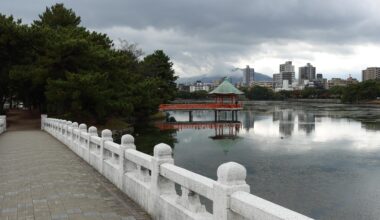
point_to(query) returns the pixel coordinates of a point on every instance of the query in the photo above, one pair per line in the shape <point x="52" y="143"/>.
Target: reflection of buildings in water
<point x="277" y="114"/>
<point x="306" y="122"/>
<point x="286" y="125"/>
<point x="249" y="121"/>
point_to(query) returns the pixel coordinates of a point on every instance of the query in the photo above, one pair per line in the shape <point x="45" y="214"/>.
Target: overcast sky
<point x="211" y="37"/>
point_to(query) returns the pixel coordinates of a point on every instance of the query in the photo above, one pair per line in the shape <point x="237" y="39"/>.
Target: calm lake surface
<point x="322" y="160"/>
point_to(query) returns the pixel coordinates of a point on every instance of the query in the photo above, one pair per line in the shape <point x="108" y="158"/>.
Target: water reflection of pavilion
<point x="223" y="129"/>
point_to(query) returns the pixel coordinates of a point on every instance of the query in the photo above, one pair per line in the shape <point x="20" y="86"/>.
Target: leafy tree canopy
<point x="66" y="70"/>
<point x="58" y="16"/>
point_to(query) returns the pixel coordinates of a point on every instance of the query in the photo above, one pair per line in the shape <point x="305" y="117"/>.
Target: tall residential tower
<point x="307" y="73"/>
<point x="248" y="76"/>
<point x="371" y="73"/>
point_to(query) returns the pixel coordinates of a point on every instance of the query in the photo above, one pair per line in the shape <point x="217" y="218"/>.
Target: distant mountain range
<point x="234" y="78"/>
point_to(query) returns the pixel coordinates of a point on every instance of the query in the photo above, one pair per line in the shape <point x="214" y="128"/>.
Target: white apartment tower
<point x="287" y="72"/>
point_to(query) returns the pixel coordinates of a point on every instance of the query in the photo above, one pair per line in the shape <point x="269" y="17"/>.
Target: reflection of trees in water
<point x="373" y="126"/>
<point x="147" y="136"/>
<point x="286" y="117"/>
<point x="248" y="120"/>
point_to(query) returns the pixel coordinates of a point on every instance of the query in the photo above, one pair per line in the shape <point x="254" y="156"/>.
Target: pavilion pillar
<point x="190" y="116"/>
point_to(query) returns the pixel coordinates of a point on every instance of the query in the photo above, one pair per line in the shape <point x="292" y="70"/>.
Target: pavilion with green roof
<point x="226" y="100"/>
<point x="226" y="92"/>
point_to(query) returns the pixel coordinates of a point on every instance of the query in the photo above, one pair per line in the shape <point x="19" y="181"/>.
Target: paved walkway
<point x="40" y="178"/>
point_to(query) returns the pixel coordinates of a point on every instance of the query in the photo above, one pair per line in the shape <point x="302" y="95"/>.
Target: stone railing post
<point x="92" y="131"/>
<point x="82" y="129"/>
<point x="106" y="136"/>
<point x="231" y="178"/>
<point x="74" y="126"/>
<point x="43" y="117"/>
<point x="4" y="118"/>
<point x="68" y="134"/>
<point x="159" y="185"/>
<point x="127" y="142"/>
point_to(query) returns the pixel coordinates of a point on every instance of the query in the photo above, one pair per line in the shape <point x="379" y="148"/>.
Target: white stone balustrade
<point x="3" y="123"/>
<point x="150" y="180"/>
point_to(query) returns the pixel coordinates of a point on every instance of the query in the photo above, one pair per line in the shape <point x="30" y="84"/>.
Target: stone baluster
<point x="43" y="119"/>
<point x="231" y="178"/>
<point x="106" y="136"/>
<point x="73" y="135"/>
<point x="82" y="129"/>
<point x="143" y="174"/>
<point x="4" y="118"/>
<point x="65" y="132"/>
<point x="68" y="132"/>
<point x="190" y="200"/>
<point x="92" y="131"/>
<point x="127" y="142"/>
<point x="159" y="185"/>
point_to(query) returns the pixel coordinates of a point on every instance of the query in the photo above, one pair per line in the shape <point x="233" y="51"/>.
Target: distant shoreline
<point x="327" y="101"/>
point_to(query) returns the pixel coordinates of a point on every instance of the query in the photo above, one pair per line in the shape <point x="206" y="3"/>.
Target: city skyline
<point x="210" y="37"/>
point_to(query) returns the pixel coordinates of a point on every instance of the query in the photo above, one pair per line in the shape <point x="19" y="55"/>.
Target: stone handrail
<point x="3" y="123"/>
<point x="163" y="189"/>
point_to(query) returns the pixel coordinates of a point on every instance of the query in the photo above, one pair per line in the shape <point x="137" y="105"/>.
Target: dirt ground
<point x="21" y="120"/>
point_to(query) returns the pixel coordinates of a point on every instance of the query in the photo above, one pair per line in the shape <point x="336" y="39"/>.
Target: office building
<point x="342" y="82"/>
<point x="248" y="76"/>
<point x="307" y="73"/>
<point x="371" y="73"/>
<point x="277" y="81"/>
<point x="287" y="72"/>
<point x="200" y="86"/>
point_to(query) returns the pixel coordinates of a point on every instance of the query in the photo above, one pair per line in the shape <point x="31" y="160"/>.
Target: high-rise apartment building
<point x="287" y="72"/>
<point x="248" y="76"/>
<point x="287" y="67"/>
<point x="371" y="73"/>
<point x="277" y="80"/>
<point x="307" y="73"/>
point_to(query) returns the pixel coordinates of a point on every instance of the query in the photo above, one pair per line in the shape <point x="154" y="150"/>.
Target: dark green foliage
<point x="59" y="67"/>
<point x="158" y="68"/>
<point x="193" y="95"/>
<point x="15" y="53"/>
<point x="260" y="93"/>
<point x="356" y="93"/>
<point x="58" y="16"/>
<point x="367" y="90"/>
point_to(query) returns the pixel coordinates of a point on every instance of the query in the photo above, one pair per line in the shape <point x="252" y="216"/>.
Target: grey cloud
<point x="221" y="32"/>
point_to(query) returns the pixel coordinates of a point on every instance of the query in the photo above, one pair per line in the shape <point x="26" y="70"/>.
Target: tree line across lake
<point x="60" y="67"/>
<point x="355" y="93"/>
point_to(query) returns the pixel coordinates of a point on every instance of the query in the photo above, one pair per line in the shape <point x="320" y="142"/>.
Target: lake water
<point x="322" y="160"/>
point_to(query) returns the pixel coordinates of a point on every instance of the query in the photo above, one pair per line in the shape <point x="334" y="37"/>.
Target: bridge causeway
<point x="40" y="179"/>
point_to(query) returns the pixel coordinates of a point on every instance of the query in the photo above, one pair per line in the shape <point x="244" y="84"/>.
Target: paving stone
<point x="46" y="180"/>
